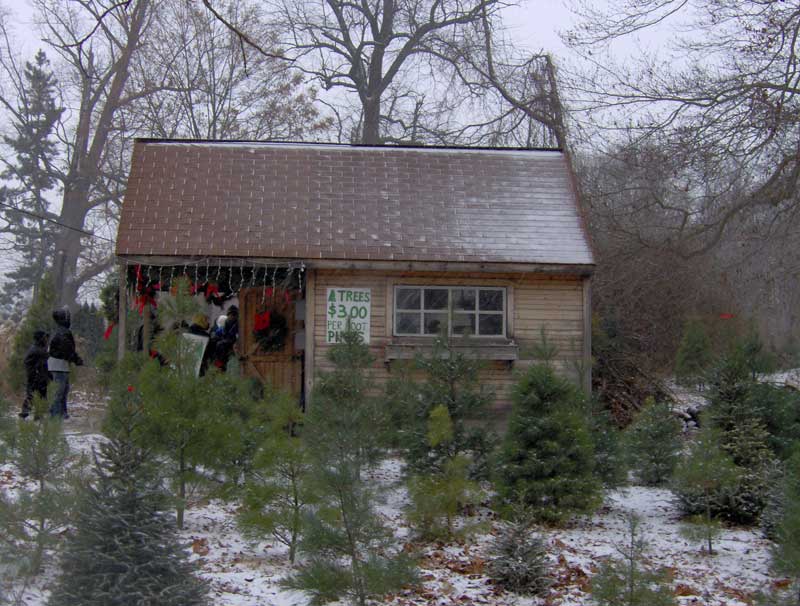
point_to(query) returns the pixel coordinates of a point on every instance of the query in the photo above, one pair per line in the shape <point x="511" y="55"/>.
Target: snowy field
<point x="242" y="571"/>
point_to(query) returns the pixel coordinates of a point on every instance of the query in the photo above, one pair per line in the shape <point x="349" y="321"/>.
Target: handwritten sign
<point x="348" y="307"/>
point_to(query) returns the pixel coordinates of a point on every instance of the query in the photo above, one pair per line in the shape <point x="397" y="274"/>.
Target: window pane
<point x="408" y="298"/>
<point x="408" y="323"/>
<point x="490" y="324"/>
<point x="490" y="300"/>
<point x="435" y="323"/>
<point x="463" y="324"/>
<point x="464" y="298"/>
<point x="435" y="298"/>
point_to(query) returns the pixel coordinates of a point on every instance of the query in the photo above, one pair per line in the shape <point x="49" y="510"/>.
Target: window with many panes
<point x="456" y="310"/>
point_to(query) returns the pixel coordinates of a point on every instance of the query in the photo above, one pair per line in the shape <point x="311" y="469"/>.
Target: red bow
<point x="263" y="320"/>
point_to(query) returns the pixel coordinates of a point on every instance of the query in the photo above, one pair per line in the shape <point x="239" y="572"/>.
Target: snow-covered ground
<point x="243" y="571"/>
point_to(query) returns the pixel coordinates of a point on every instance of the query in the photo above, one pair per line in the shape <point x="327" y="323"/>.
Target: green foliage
<point x="277" y="492"/>
<point x="547" y="457"/>
<point x="786" y="555"/>
<point x="624" y="582"/>
<point x="779" y="411"/>
<point x="194" y="422"/>
<point x="702" y="530"/>
<point x="694" y="354"/>
<point x="654" y="443"/>
<point x="123" y="545"/>
<point x="703" y="478"/>
<point x="742" y="412"/>
<point x="519" y="561"/>
<point x="451" y="380"/>
<point x="87" y="325"/>
<point x="29" y="178"/>
<point x="610" y="460"/>
<point x="437" y="498"/>
<point x="757" y="359"/>
<point x="30" y="524"/>
<point x="543" y="350"/>
<point x="39" y="317"/>
<point x="349" y="552"/>
<point x="343" y="406"/>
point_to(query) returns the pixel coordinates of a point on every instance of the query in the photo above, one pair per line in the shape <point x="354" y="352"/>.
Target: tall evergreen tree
<point x="124" y="549"/>
<point x="547" y="457"/>
<point x="30" y="176"/>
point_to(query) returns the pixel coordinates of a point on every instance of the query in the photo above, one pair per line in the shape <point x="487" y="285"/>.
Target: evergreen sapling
<point x="124" y="549"/>
<point x="624" y="582"/>
<point x="701" y="476"/>
<point x="547" y="458"/>
<point x="451" y="380"/>
<point x="277" y="493"/>
<point x="694" y="354"/>
<point x="519" y="561"/>
<point x="30" y="524"/>
<point x="437" y="498"/>
<point x="349" y="552"/>
<point x="654" y="443"/>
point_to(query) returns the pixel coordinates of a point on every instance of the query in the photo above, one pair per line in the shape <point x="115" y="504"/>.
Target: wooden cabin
<point x="488" y="246"/>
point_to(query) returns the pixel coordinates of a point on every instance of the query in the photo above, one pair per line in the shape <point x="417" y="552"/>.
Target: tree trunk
<point x="181" y="488"/>
<point x="371" y="132"/>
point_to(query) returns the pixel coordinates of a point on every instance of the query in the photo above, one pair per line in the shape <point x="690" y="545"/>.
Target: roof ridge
<point x="334" y="145"/>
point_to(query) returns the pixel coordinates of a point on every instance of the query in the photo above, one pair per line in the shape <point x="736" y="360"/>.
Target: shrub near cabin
<point x="348" y="307"/>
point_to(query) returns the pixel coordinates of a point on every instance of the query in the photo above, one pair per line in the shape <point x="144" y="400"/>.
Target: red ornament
<point x="130" y="388"/>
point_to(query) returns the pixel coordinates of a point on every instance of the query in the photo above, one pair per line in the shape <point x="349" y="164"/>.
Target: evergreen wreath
<point x="270" y="331"/>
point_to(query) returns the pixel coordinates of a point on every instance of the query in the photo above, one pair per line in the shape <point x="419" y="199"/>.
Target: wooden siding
<point x="535" y="303"/>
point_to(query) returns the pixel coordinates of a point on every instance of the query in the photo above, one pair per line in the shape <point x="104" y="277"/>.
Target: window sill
<point x="407" y="348"/>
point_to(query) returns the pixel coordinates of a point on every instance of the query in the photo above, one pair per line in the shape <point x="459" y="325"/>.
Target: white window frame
<point x="449" y="310"/>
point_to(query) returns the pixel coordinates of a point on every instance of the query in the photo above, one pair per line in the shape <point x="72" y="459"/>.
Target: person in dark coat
<point x="62" y="354"/>
<point x="36" y="375"/>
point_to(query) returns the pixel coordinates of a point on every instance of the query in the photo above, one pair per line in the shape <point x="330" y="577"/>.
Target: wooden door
<point x="282" y="368"/>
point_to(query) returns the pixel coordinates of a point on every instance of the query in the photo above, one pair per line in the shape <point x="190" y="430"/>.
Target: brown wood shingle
<point x="220" y="199"/>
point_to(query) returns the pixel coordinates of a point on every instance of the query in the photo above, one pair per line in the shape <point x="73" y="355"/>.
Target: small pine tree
<point x="702" y="475"/>
<point x="786" y="554"/>
<point x="654" y="443"/>
<point x="546" y="460"/>
<point x="187" y="418"/>
<point x="124" y="549"/>
<point x="694" y="354"/>
<point x="610" y="461"/>
<point x="277" y="491"/>
<point x="519" y="561"/>
<point x="38" y="317"/>
<point x="437" y="498"/>
<point x="31" y="522"/>
<point x="451" y="380"/>
<point x="350" y="553"/>
<point x="625" y="583"/>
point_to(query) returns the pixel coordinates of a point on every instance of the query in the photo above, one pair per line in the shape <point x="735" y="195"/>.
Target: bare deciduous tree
<point x="723" y="99"/>
<point x="399" y="57"/>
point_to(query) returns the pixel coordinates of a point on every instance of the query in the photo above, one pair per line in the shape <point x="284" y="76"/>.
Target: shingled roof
<point x="340" y="202"/>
